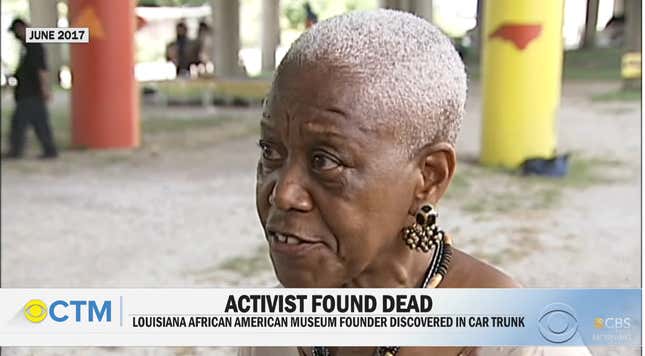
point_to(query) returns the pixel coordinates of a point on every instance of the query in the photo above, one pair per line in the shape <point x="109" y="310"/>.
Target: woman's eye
<point x="269" y="153"/>
<point x="323" y="162"/>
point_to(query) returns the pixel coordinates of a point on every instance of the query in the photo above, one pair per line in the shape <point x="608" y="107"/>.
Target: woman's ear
<point x="437" y="164"/>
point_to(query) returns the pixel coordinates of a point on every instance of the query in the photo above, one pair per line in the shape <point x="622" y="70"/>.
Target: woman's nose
<point x="289" y="194"/>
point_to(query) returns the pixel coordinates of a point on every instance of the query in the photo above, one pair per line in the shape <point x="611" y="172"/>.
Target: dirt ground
<point x="179" y="211"/>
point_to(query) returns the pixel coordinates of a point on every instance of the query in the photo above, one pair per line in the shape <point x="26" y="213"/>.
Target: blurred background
<point x="162" y="194"/>
<point x="157" y="20"/>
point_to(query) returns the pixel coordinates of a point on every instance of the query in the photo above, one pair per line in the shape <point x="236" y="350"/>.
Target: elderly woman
<point x="357" y="148"/>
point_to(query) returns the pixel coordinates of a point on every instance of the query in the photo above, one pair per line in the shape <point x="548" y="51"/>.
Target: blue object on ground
<point x="557" y="166"/>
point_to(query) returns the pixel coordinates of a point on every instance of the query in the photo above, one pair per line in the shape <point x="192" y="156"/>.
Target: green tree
<point x="294" y="10"/>
<point x="295" y="13"/>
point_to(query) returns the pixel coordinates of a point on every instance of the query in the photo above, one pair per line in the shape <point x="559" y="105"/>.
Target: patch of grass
<point x="498" y="202"/>
<point x="244" y="265"/>
<point x="475" y="206"/>
<point x="486" y="190"/>
<point x="587" y="64"/>
<point x="240" y="266"/>
<point x="193" y="136"/>
<point x="248" y="90"/>
<point x="547" y="198"/>
<point x="152" y="128"/>
<point x="60" y="123"/>
<point x="525" y="242"/>
<point x="584" y="172"/>
<point x="164" y="125"/>
<point x="618" y="95"/>
<point x="267" y="75"/>
<point x="468" y="172"/>
<point x="459" y="185"/>
<point x="62" y="127"/>
<point x="592" y="64"/>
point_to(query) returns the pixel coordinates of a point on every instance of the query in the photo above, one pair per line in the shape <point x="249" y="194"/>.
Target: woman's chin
<point x="305" y="277"/>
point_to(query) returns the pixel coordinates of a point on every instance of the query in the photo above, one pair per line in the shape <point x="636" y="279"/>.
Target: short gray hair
<point x="414" y="78"/>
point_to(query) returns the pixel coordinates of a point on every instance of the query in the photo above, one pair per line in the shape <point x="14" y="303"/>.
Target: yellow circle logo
<point x="35" y="310"/>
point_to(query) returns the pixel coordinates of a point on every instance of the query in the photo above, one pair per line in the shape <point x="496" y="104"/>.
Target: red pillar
<point x="105" y="102"/>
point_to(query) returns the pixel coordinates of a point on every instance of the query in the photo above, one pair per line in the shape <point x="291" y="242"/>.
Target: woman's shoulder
<point x="466" y="271"/>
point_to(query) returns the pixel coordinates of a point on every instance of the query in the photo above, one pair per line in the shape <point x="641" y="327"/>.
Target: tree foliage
<point x="294" y="10"/>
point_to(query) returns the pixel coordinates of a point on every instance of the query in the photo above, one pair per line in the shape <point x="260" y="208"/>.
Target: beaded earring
<point x="424" y="233"/>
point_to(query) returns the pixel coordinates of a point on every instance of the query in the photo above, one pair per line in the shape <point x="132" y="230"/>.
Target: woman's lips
<point x="291" y="244"/>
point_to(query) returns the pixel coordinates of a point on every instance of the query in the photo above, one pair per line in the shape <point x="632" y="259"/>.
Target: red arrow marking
<point x="520" y="34"/>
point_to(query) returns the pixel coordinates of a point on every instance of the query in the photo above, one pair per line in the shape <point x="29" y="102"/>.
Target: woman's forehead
<point x="315" y="115"/>
<point x="328" y="98"/>
<point x="326" y="127"/>
<point x="319" y="86"/>
<point x="308" y="117"/>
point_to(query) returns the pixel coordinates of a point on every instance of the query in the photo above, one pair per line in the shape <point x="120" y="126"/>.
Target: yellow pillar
<point x="521" y="68"/>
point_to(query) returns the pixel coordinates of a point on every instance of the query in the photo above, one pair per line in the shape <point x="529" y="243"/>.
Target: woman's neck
<point x="399" y="267"/>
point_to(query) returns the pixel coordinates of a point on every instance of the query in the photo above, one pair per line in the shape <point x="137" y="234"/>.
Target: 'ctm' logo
<point x="36" y="310"/>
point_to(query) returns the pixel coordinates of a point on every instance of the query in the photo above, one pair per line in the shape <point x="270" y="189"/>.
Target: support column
<point x="270" y="33"/>
<point x="619" y="7"/>
<point x="402" y="5"/>
<point x="44" y="13"/>
<point x="422" y="8"/>
<point x="226" y="24"/>
<point x="521" y="68"/>
<point x="386" y="4"/>
<point x="105" y="101"/>
<point x="589" y="36"/>
<point x="479" y="29"/>
<point x="633" y="26"/>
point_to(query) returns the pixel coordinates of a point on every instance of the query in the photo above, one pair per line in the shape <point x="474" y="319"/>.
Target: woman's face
<point x="333" y="190"/>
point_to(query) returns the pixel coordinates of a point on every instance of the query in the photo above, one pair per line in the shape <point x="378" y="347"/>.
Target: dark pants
<point x="30" y="111"/>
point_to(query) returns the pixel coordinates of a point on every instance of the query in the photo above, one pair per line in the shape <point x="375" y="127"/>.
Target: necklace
<point x="436" y="271"/>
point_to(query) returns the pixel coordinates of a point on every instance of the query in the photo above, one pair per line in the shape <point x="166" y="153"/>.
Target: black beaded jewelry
<point x="421" y="236"/>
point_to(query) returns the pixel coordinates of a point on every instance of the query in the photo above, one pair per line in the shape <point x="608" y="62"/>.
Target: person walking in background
<point x="179" y="51"/>
<point x="31" y="94"/>
<point x="202" y="48"/>
<point x="311" y="17"/>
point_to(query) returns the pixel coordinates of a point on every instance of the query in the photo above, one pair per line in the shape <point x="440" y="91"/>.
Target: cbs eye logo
<point x="557" y="323"/>
<point x="35" y="310"/>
